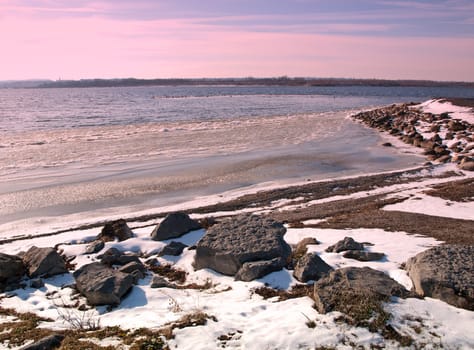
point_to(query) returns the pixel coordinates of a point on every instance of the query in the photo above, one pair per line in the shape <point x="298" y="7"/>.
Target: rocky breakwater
<point x="443" y="138"/>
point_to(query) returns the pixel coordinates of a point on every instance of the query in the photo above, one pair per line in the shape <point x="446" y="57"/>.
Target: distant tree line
<point x="276" y="81"/>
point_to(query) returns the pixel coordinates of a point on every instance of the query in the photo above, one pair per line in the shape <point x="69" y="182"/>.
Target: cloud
<point x="84" y="40"/>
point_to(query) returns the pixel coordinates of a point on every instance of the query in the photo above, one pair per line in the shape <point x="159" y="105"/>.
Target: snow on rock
<point x="439" y="106"/>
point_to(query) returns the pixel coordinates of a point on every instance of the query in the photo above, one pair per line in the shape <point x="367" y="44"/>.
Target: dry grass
<point x="457" y="191"/>
<point x="168" y="271"/>
<point x="366" y="310"/>
<point x="366" y="213"/>
<point x="25" y="328"/>
<point x="297" y="291"/>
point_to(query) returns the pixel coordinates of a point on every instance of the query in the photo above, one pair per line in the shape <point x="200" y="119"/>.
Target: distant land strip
<point x="276" y="81"/>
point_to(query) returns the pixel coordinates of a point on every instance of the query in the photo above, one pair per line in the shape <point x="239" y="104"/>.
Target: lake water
<point x="82" y="151"/>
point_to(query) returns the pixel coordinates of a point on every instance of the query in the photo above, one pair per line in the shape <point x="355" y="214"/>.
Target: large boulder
<point x="347" y="243"/>
<point x="12" y="270"/>
<point x="228" y="245"/>
<point x="101" y="284"/>
<point x="44" y="262"/>
<point x="353" y="284"/>
<point x="113" y="230"/>
<point x="174" y="225"/>
<point x="311" y="267"/>
<point x="445" y="272"/>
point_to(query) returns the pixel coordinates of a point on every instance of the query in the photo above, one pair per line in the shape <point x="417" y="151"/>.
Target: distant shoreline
<point x="277" y="81"/>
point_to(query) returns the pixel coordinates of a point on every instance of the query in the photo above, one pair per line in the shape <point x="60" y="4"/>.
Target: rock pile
<point x="442" y="138"/>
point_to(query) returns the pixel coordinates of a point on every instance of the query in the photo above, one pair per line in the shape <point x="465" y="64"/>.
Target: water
<point x="73" y="151"/>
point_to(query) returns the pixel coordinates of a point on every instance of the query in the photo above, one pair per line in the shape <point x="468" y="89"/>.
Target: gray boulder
<point x="44" y="262"/>
<point x="101" y="284"/>
<point x="113" y="230"/>
<point x="347" y="243"/>
<point x="352" y="285"/>
<point x="363" y="256"/>
<point x="133" y="266"/>
<point x="228" y="245"/>
<point x="174" y="225"/>
<point x="12" y="270"/>
<point x="136" y="269"/>
<point x="257" y="269"/>
<point x="173" y="249"/>
<point x="161" y="282"/>
<point x="47" y="343"/>
<point x="311" y="267"/>
<point x="113" y="256"/>
<point x="445" y="272"/>
<point x="95" y="247"/>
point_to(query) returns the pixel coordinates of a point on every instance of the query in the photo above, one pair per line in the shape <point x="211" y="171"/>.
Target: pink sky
<point x="40" y="42"/>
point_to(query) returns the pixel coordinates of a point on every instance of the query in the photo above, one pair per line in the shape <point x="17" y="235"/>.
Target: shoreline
<point x="398" y="214"/>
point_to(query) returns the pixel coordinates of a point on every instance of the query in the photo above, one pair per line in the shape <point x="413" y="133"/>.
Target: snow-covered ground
<point x="243" y="318"/>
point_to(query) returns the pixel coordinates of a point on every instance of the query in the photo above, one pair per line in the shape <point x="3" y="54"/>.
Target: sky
<point x="387" y="39"/>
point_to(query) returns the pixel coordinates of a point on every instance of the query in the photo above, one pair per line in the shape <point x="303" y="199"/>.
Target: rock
<point x="101" y="284"/>
<point x="311" y="267"/>
<point x="387" y="144"/>
<point x="113" y="256"/>
<point x="43" y="262"/>
<point x="347" y="243"/>
<point x="133" y="266"/>
<point x="161" y="282"/>
<point x="229" y="244"/>
<point x="443" y="159"/>
<point x="302" y="245"/>
<point x="352" y="284"/>
<point x="363" y="256"/>
<point x="12" y="270"/>
<point x="48" y="343"/>
<point x="300" y="250"/>
<point x="445" y="272"/>
<point x="95" y="247"/>
<point x="173" y="249"/>
<point x="174" y="225"/>
<point x="136" y="269"/>
<point x="455" y="125"/>
<point x="257" y="269"/>
<point x="115" y="230"/>
<point x="467" y="165"/>
<point x="36" y="283"/>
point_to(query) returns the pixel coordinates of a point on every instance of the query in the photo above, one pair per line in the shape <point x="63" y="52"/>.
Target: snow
<point x="245" y="317"/>
<point x="439" y="106"/>
<point x="424" y="204"/>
